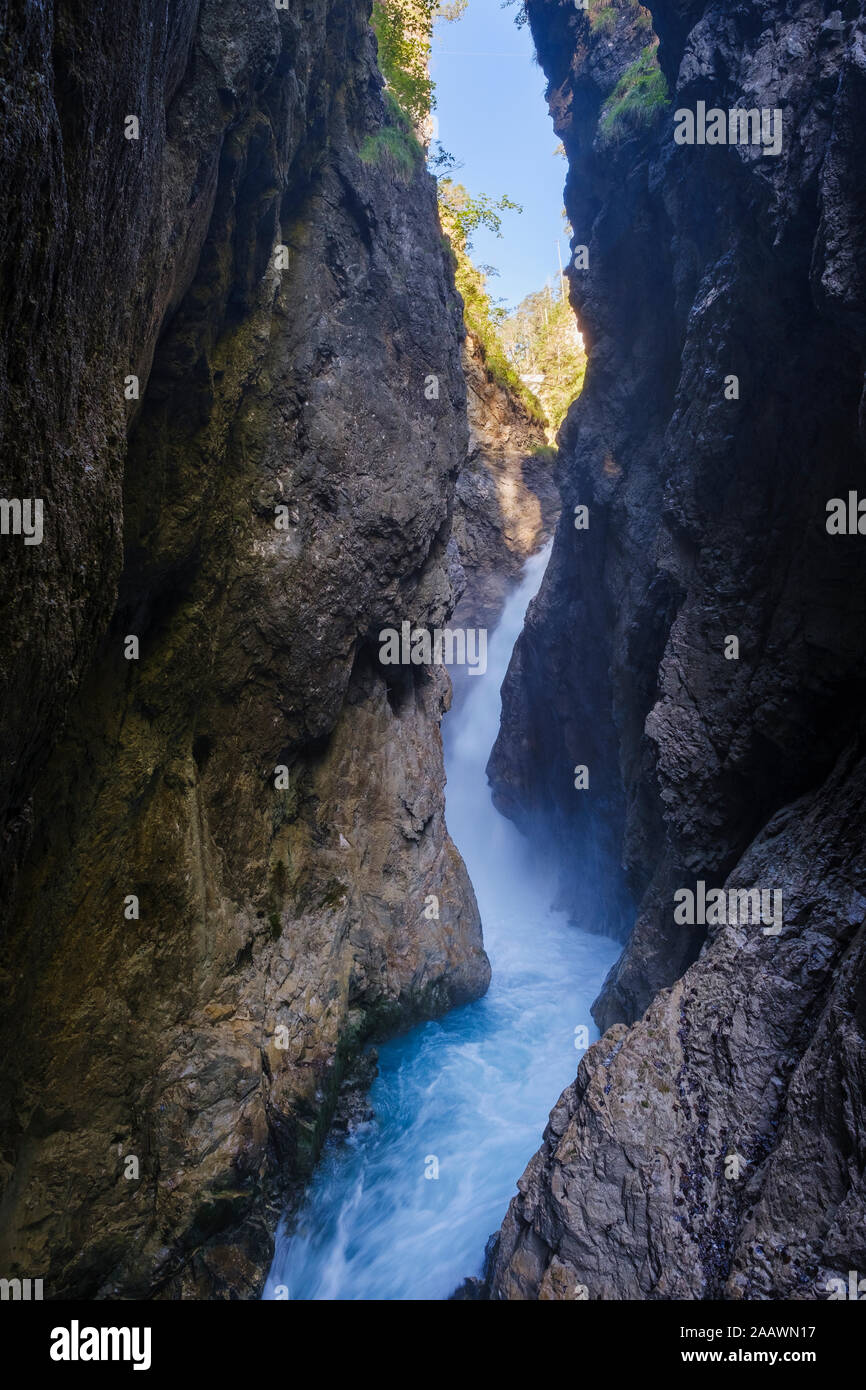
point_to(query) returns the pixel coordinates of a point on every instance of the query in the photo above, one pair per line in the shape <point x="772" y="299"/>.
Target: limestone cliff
<point x="225" y="857"/>
<point x="737" y="765"/>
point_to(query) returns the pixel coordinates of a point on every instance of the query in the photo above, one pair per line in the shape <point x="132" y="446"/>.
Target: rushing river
<point x="467" y="1096"/>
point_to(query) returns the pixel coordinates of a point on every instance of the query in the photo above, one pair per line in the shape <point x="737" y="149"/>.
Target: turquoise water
<point x="464" y="1099"/>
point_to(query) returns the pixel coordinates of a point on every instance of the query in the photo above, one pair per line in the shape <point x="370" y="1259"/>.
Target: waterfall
<point x="403" y="1207"/>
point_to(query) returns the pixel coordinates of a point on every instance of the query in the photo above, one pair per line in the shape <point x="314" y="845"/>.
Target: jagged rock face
<point x="100" y="243"/>
<point x="756" y="1056"/>
<point x="707" y="521"/>
<point x="284" y="917"/>
<point x="507" y="499"/>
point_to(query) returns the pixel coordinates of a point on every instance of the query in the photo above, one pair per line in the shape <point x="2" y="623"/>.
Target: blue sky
<point x="493" y="118"/>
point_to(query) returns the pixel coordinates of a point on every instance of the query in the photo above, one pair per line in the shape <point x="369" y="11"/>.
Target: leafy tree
<point x="461" y="215"/>
<point x="541" y="339"/>
<point x="465" y="213"/>
<point x="404" y="32"/>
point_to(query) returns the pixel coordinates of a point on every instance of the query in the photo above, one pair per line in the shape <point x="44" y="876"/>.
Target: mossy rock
<point x="394" y="147"/>
<point x="637" y="100"/>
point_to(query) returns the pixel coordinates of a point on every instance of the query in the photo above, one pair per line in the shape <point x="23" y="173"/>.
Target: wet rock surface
<point x="271" y="800"/>
<point x="707" y="520"/>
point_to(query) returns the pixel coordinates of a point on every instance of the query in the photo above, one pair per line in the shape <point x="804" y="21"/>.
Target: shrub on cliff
<point x="637" y="100"/>
<point x="603" y="15"/>
<point x="603" y="19"/>
<point x="395" y="145"/>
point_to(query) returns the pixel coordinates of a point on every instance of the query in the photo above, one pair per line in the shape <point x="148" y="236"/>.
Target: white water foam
<point x="473" y="1090"/>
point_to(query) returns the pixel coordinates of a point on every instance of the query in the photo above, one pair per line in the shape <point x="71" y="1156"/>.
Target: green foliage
<point x="521" y="18"/>
<point x="403" y="29"/>
<point x="461" y="216"/>
<point x="603" y="20"/>
<point x="394" y="146"/>
<point x="541" y="338"/>
<point x="636" y="101"/>
<point x="333" y="895"/>
<point x="603" y="15"/>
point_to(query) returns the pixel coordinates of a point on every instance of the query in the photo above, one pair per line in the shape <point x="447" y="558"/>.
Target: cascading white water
<point x="467" y="1096"/>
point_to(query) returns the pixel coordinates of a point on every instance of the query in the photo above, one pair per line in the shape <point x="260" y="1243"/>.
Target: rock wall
<point x="707" y="521"/>
<point x="221" y="855"/>
<point x="507" y="499"/>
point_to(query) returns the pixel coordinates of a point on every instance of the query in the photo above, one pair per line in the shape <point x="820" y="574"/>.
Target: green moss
<point x="603" y="21"/>
<point x="276" y="897"/>
<point x="603" y="16"/>
<point x="545" y="452"/>
<point x="637" y="100"/>
<point x="394" y="147"/>
<point x="286" y="803"/>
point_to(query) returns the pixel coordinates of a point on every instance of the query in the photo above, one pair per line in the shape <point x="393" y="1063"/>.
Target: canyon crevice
<point x="224" y="861"/>
<point x="707" y="508"/>
<point x="507" y="501"/>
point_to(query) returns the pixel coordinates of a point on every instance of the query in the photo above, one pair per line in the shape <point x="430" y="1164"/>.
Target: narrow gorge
<point x="712" y="1144"/>
<point x="269" y="1032"/>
